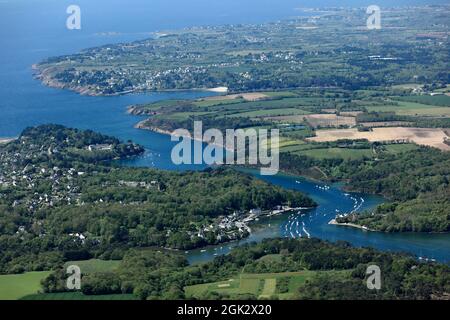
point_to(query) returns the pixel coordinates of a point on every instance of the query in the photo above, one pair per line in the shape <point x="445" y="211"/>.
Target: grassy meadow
<point x="94" y="265"/>
<point x="16" y="286"/>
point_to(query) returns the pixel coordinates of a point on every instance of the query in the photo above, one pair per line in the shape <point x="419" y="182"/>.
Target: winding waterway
<point x="25" y="102"/>
<point x="314" y="223"/>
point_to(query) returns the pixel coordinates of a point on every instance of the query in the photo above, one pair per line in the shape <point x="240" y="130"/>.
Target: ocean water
<point x="33" y="30"/>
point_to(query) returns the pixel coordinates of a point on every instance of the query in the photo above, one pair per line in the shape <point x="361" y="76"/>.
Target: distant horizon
<point x="47" y="17"/>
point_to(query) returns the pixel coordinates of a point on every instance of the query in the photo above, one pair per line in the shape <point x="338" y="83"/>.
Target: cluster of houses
<point x="18" y="171"/>
<point x="46" y="186"/>
<point x="232" y="227"/>
<point x="235" y="226"/>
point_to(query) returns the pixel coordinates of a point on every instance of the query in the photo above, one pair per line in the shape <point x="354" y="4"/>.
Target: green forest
<point x="338" y="271"/>
<point x="416" y="183"/>
<point x="64" y="206"/>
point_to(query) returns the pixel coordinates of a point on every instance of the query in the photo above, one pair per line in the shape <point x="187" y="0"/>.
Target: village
<point x="46" y="185"/>
<point x="237" y="225"/>
<point x="19" y="171"/>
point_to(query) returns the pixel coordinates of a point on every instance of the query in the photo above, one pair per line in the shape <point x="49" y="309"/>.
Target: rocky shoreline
<point x="44" y="75"/>
<point x="141" y="125"/>
<point x="137" y="110"/>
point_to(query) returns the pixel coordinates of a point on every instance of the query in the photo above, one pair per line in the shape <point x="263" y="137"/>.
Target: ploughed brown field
<point x="421" y="136"/>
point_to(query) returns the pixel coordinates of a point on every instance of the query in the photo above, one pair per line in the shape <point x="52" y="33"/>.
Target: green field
<point x="271" y="113"/>
<point x="291" y="103"/>
<point x="284" y="94"/>
<point x="431" y="112"/>
<point x="286" y="142"/>
<point x="78" y="296"/>
<point x="94" y="265"/>
<point x="295" y="147"/>
<point x="410" y="108"/>
<point x="260" y="285"/>
<point x="337" y="153"/>
<point x="270" y="286"/>
<point x="398" y="148"/>
<point x="217" y="102"/>
<point x="284" y="102"/>
<point x="183" y="115"/>
<point x="436" y="100"/>
<point x="16" y="286"/>
<point x="250" y="285"/>
<point x="344" y="153"/>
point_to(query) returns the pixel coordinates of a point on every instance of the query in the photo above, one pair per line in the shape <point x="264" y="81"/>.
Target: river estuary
<point x="25" y="102"/>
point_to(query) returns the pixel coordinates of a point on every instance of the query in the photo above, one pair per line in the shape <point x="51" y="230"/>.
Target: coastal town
<point x="246" y="58"/>
<point x="50" y="167"/>
<point x="64" y="188"/>
<point x="238" y="225"/>
<point x="37" y="174"/>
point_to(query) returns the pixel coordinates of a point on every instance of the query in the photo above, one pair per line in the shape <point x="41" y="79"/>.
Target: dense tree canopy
<point x="151" y="274"/>
<point x="70" y="207"/>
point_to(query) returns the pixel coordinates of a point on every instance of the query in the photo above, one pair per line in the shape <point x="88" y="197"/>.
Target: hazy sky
<point x="20" y="18"/>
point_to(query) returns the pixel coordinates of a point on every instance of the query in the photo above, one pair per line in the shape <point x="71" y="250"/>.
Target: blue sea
<point x="34" y="30"/>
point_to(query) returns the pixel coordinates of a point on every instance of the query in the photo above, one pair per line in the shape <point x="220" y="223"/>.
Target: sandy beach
<point x="6" y="140"/>
<point x="218" y="90"/>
